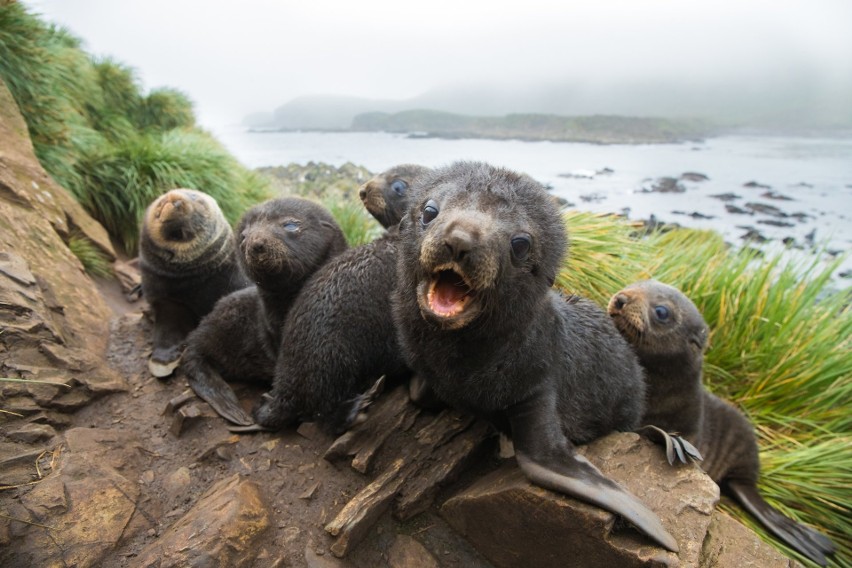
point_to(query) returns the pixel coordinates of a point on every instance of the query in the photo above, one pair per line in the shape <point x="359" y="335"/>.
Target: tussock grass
<point x="93" y="260"/>
<point x="603" y="255"/>
<point x="97" y="133"/>
<point x="122" y="179"/>
<point x="357" y="224"/>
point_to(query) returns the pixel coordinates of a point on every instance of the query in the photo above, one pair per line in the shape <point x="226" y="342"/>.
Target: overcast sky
<point x="234" y="58"/>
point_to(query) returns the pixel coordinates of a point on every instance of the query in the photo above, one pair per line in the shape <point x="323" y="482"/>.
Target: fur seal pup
<point x="188" y="260"/>
<point x="282" y="242"/>
<point x="337" y="340"/>
<point x="669" y="335"/>
<point x="478" y="321"/>
<point x="385" y="195"/>
<point x="341" y="319"/>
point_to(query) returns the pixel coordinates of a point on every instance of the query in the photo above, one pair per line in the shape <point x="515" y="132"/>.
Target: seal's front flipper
<point x="172" y="323"/>
<point x="675" y="444"/>
<point x="804" y="539"/>
<point x="209" y="385"/>
<point x="548" y="459"/>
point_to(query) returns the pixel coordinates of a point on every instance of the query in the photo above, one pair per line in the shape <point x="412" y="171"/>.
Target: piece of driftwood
<point x="439" y="451"/>
<point x="389" y="414"/>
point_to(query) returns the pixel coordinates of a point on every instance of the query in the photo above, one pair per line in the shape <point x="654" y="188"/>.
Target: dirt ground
<point x="303" y="491"/>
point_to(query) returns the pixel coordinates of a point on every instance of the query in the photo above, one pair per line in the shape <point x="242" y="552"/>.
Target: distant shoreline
<point x="600" y="140"/>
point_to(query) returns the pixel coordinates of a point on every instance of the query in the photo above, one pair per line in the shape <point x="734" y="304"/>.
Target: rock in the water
<point x="514" y="523"/>
<point x="220" y="530"/>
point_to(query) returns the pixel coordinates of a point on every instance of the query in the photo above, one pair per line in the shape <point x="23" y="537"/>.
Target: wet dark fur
<point x="551" y="369"/>
<point x="240" y="338"/>
<point x="385" y="198"/>
<point x="338" y="339"/>
<point x="343" y="321"/>
<point x="672" y="354"/>
<point x="181" y="291"/>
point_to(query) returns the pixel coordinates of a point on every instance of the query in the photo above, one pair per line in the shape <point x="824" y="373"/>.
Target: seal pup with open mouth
<point x="479" y="322"/>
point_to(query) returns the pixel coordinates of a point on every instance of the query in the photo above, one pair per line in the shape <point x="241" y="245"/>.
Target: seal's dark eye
<point x="291" y="226"/>
<point x="521" y="246"/>
<point x="399" y="186"/>
<point x="662" y="313"/>
<point x="430" y="211"/>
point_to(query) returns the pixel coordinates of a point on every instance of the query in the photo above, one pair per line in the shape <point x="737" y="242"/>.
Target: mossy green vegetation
<point x="97" y="132"/>
<point x="779" y="349"/>
<point x="91" y="257"/>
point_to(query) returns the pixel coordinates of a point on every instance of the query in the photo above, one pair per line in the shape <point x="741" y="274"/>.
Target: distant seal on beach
<point x="282" y="242"/>
<point x="669" y="335"/>
<point x="478" y="321"/>
<point x="187" y="259"/>
<point x="385" y="195"/>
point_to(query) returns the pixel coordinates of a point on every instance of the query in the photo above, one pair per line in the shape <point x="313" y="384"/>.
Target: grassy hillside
<point x="100" y="135"/>
<point x="595" y="129"/>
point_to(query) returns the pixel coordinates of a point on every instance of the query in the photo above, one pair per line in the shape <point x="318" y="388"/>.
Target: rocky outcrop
<point x="220" y="530"/>
<point x="514" y="523"/>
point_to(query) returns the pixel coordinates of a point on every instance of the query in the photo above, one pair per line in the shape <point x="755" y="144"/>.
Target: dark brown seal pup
<point x="282" y="242"/>
<point x="337" y="340"/>
<point x="341" y="319"/>
<point x="479" y="322"/>
<point x="188" y="261"/>
<point x="386" y="195"/>
<point x="669" y="336"/>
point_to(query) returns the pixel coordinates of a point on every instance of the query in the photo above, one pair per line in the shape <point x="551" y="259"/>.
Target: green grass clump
<point x="93" y="260"/>
<point x="100" y="136"/>
<point x="603" y="255"/>
<point x="358" y="226"/>
<point x="124" y="178"/>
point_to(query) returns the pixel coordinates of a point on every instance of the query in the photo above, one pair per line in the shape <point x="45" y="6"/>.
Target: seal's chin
<point x="448" y="299"/>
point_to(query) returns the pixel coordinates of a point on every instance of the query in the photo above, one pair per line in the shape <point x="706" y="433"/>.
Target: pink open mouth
<point x="449" y="294"/>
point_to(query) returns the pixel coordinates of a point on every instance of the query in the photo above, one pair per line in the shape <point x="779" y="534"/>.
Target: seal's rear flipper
<point x="804" y="539"/>
<point x="676" y="445"/>
<point x="549" y="459"/>
<point x="209" y="385"/>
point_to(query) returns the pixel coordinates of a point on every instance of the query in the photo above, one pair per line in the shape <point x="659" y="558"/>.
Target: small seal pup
<point x="478" y="321"/>
<point x="188" y="260"/>
<point x="339" y="337"/>
<point x="282" y="242"/>
<point x="385" y="195"/>
<point x="669" y="335"/>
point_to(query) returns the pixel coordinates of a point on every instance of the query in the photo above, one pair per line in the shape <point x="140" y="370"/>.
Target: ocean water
<point x="807" y="182"/>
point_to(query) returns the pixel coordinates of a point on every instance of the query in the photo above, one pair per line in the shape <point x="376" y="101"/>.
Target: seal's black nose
<point x="619" y="301"/>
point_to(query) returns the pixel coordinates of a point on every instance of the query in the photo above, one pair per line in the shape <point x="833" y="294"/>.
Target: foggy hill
<point x="793" y="104"/>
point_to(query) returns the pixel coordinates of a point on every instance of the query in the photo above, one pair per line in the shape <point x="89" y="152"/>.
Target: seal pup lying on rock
<point x="188" y="260"/>
<point x="282" y="242"/>
<point x="669" y="335"/>
<point x="338" y="338"/>
<point x="479" y="322"/>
